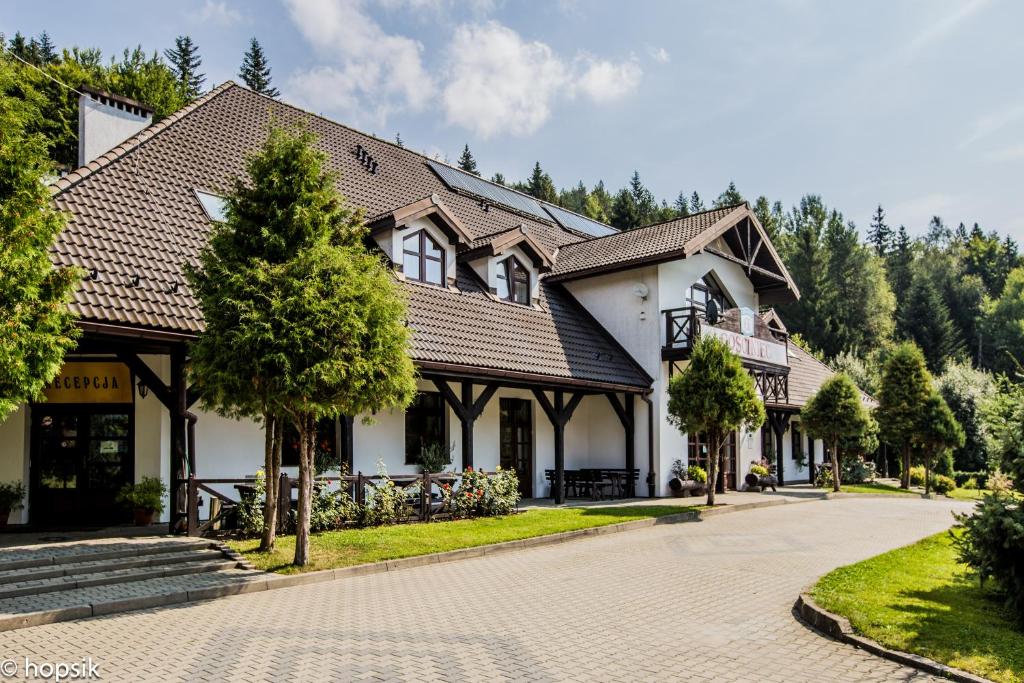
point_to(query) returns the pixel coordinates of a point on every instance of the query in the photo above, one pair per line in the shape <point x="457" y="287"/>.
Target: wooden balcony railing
<point x="682" y="326"/>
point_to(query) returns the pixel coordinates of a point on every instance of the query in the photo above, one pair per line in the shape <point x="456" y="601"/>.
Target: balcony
<point x="763" y="350"/>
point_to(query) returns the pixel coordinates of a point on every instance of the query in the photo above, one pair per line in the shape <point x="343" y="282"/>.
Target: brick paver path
<point x="706" y="601"/>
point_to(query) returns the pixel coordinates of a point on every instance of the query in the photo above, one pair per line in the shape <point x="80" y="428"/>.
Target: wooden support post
<point x="348" y="442"/>
<point x="284" y="502"/>
<point x="626" y="412"/>
<point x="179" y="408"/>
<point x="193" y="506"/>
<point x="559" y="415"/>
<point x="425" y="498"/>
<point x="467" y="410"/>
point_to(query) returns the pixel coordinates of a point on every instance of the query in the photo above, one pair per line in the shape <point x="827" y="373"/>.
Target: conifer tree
<point x="696" y="204"/>
<point x="925" y="320"/>
<point x="541" y="186"/>
<point x="836" y="415"/>
<point x="682" y="205"/>
<point x="937" y="433"/>
<point x="466" y="161"/>
<point x="714" y="396"/>
<point x="398" y="139"/>
<point x="643" y="200"/>
<point x="879" y="234"/>
<point x="905" y="386"/>
<point x="185" y="62"/>
<point x="498" y="178"/>
<point x="302" y="321"/>
<point x="771" y="217"/>
<point x="625" y="215"/>
<point x="730" y="197"/>
<point x="47" y="50"/>
<point x="37" y="327"/>
<point x="898" y="263"/>
<point x="255" y="71"/>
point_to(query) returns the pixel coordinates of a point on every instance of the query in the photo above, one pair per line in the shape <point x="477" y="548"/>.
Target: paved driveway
<point x="707" y="601"/>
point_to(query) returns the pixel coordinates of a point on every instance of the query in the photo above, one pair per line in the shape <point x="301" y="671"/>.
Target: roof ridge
<point x="730" y="208"/>
<point x="135" y="141"/>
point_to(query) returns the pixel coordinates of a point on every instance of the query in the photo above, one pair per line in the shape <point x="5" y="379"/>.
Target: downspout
<point x="650" y="445"/>
<point x="191" y="440"/>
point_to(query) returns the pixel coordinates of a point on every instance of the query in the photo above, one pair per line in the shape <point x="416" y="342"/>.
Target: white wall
<point x="14" y="454"/>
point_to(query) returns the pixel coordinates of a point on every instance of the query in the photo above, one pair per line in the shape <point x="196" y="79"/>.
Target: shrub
<point x="250" y="509"/>
<point x="696" y="473"/>
<point x="823" y="478"/>
<point x="857" y="471"/>
<point x="992" y="543"/>
<point x="148" y="494"/>
<point x="385" y="502"/>
<point x="12" y="496"/>
<point x="331" y="509"/>
<point x="917" y="475"/>
<point x="942" y="484"/>
<point x="980" y="479"/>
<point x="999" y="482"/>
<point x="478" y="495"/>
<point x="503" y="492"/>
<point x="971" y="484"/>
<point x="435" y="457"/>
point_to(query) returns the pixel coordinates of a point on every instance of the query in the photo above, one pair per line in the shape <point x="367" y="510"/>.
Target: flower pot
<point x="144" y="516"/>
<point x="752" y="480"/>
<point x="676" y="485"/>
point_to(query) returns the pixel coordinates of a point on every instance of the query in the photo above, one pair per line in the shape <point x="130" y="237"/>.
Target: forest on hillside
<point x="957" y="292"/>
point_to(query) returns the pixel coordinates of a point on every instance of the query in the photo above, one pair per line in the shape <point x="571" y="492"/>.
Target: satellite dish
<point x="640" y="291"/>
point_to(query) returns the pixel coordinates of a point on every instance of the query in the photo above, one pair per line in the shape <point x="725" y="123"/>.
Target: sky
<point x="917" y="105"/>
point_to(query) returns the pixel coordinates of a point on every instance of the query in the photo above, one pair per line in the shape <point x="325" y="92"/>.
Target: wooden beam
<point x="467" y="410"/>
<point x="756" y="269"/>
<point x="559" y="413"/>
<point x="148" y="378"/>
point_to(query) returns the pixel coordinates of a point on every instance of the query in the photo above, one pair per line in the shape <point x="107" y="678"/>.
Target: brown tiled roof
<point x="635" y="246"/>
<point x="806" y="375"/>
<point x="134" y="219"/>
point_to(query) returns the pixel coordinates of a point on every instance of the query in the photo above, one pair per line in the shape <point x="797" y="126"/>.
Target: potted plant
<point x="754" y="477"/>
<point x="699" y="477"/>
<point x="12" y="495"/>
<point x="678" y="481"/>
<point x="435" y="457"/>
<point x="145" y="498"/>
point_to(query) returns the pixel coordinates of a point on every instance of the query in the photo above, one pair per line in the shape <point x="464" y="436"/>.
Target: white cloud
<point x="943" y="27"/>
<point x="659" y="54"/>
<point x="499" y="82"/>
<point x="604" y="81"/>
<point x="217" y="13"/>
<point x="369" y="70"/>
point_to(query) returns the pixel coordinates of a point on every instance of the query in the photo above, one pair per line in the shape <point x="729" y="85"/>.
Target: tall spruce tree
<point x="643" y="200"/>
<point x="924" y="319"/>
<point x="898" y="263"/>
<point x="625" y="215"/>
<point x="729" y="197"/>
<point x="466" y="161"/>
<point x="541" y="186"/>
<point x="498" y="178"/>
<point x="805" y="257"/>
<point x="696" y="203"/>
<point x="879" y="234"/>
<point x="255" y="70"/>
<point x="1003" y="328"/>
<point x="770" y="216"/>
<point x="185" y="62"/>
<point x="37" y="327"/>
<point x="47" y="50"/>
<point x="681" y="205"/>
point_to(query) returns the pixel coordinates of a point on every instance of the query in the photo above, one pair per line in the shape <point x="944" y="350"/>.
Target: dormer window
<point x="422" y="258"/>
<point x="513" y="281"/>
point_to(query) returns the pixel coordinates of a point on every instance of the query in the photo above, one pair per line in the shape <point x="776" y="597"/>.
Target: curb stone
<point x="839" y="628"/>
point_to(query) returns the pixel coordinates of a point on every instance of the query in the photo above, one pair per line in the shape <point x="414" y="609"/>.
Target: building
<point x="544" y="340"/>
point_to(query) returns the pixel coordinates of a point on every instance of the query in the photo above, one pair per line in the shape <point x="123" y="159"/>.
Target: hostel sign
<point x="91" y="382"/>
<point x="751" y="348"/>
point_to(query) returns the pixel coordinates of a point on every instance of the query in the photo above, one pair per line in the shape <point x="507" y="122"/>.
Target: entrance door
<point x="517" y="441"/>
<point x="698" y="455"/>
<point x="82" y="456"/>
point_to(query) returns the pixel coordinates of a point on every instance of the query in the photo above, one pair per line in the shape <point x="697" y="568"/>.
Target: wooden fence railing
<point x="424" y="501"/>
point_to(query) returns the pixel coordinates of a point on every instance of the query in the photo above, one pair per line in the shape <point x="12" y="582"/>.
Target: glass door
<point x="82" y="456"/>
<point x="517" y="441"/>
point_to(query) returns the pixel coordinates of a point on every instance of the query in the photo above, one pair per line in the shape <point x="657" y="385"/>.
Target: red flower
<point x="469" y="468"/>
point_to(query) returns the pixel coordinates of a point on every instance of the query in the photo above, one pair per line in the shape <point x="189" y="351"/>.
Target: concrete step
<point x="92" y="566"/>
<point x="103" y="575"/>
<point x="28" y="557"/>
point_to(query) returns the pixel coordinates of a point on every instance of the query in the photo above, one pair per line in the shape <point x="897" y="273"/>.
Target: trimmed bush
<point x="980" y="479"/>
<point x="917" y="475"/>
<point x="942" y="484"/>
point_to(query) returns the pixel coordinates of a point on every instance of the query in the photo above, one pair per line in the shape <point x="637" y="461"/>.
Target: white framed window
<point x="513" y="281"/>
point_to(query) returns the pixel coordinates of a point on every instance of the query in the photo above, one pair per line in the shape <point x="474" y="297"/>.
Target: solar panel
<point x="574" y="221"/>
<point x="467" y="182"/>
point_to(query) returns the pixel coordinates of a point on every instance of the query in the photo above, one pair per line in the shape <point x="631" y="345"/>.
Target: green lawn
<point x="333" y="549"/>
<point x="919" y="599"/>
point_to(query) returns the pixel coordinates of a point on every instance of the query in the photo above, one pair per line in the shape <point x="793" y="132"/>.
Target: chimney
<point x="106" y="120"/>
